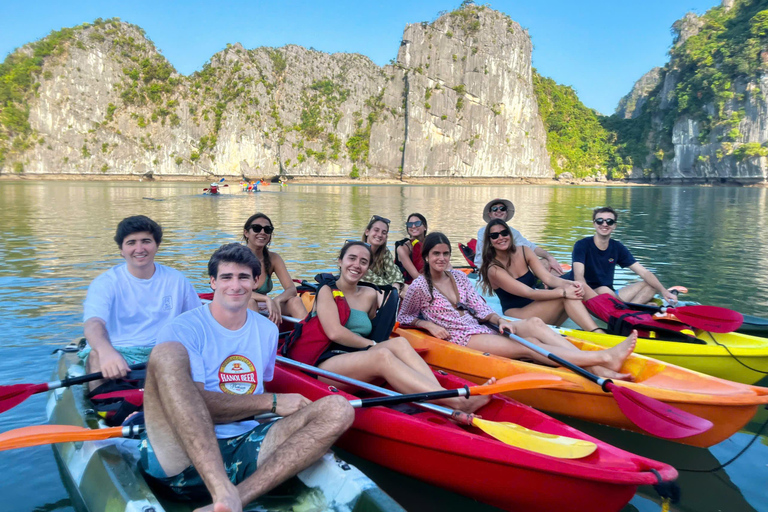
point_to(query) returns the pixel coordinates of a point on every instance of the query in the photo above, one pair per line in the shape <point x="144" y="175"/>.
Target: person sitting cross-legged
<point x="205" y="376"/>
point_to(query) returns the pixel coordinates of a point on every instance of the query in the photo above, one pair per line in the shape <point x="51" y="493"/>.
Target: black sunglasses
<point x="494" y="236"/>
<point x="501" y="208"/>
<point x="608" y="222"/>
<point x="256" y="228"/>
<point x="378" y="218"/>
<point x="414" y="224"/>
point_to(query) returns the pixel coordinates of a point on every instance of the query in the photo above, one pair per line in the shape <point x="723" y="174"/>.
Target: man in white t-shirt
<point x="505" y="210"/>
<point x="205" y="375"/>
<point x="128" y="304"/>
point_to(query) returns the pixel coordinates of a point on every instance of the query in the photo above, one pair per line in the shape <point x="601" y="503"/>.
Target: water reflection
<point x="55" y="237"/>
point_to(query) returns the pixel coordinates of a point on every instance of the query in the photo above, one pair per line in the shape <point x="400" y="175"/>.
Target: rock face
<point x="457" y="102"/>
<point x="707" y="115"/>
<point x="631" y="105"/>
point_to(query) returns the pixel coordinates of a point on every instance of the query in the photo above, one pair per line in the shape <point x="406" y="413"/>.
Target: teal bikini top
<point x="266" y="287"/>
<point x="359" y="323"/>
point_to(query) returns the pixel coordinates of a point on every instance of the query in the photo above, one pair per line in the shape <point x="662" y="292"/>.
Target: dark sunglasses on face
<point x="414" y="224"/>
<point x="501" y="208"/>
<point x="256" y="228"/>
<point x="503" y="232"/>
<point x="608" y="222"/>
<point x="378" y="218"/>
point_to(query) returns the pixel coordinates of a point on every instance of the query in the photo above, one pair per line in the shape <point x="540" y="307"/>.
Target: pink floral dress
<point x="459" y="324"/>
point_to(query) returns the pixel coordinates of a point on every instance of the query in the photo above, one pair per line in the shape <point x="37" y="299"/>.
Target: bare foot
<point x="224" y="504"/>
<point x="618" y="354"/>
<point x="607" y="373"/>
<point x="474" y="402"/>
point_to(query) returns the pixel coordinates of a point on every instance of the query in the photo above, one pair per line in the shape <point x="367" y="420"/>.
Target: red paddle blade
<point x="709" y="318"/>
<point x="657" y="418"/>
<point x="11" y="396"/>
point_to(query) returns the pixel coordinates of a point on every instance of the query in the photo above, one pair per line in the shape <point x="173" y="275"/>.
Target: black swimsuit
<point x="511" y="301"/>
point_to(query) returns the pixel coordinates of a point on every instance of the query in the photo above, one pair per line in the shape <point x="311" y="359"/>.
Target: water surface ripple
<point x="55" y="237"/>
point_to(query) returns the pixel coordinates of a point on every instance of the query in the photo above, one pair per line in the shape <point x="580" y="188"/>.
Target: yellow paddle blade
<point x="547" y="444"/>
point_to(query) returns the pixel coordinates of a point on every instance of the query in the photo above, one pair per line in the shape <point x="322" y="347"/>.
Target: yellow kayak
<point x="719" y="354"/>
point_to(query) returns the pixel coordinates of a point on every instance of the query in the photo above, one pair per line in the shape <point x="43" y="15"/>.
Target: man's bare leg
<point x="639" y="293"/>
<point x="294" y="443"/>
<point x="179" y="426"/>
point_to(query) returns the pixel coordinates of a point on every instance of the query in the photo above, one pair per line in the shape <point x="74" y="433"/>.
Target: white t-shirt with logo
<point x="233" y="362"/>
<point x="135" y="309"/>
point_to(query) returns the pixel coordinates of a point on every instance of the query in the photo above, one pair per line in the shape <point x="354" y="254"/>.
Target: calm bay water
<point x="55" y="237"/>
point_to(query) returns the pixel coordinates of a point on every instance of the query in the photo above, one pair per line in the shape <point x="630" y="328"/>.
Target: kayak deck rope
<point x="742" y="363"/>
<point x="723" y="465"/>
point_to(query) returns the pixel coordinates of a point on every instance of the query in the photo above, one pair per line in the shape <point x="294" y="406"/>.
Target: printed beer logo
<point x="237" y="376"/>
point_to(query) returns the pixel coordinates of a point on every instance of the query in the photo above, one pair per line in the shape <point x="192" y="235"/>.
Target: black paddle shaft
<point x="417" y="397"/>
<point x="603" y="383"/>
<point x="73" y="381"/>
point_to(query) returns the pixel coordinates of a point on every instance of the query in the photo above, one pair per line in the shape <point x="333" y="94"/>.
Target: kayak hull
<point x="104" y="476"/>
<point x="722" y="355"/>
<point x="429" y="447"/>
<point x="728" y="405"/>
<point x="707" y="357"/>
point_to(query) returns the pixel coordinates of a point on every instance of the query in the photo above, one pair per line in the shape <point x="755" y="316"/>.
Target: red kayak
<point x="429" y="447"/>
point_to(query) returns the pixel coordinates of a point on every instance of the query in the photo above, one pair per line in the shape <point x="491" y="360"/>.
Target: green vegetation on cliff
<point x="715" y="71"/>
<point x="576" y="141"/>
<point x="731" y="45"/>
<point x="18" y="81"/>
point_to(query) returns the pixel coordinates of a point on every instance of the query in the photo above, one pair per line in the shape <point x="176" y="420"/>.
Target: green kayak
<point x="103" y="475"/>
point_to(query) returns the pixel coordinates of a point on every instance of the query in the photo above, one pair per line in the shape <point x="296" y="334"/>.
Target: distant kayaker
<point x="205" y="376"/>
<point x="382" y="270"/>
<point x="433" y="303"/>
<point x="257" y="233"/>
<point x="504" y="209"/>
<point x="595" y="259"/>
<point x="126" y="305"/>
<point x="511" y="271"/>
<point x="347" y="347"/>
<point x="408" y="250"/>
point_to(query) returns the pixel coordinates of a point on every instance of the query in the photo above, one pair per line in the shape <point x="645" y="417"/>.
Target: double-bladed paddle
<point x="509" y="433"/>
<point x="11" y="396"/>
<point x="708" y="318"/>
<point x="49" y="434"/>
<point x="548" y="444"/>
<point x="651" y="415"/>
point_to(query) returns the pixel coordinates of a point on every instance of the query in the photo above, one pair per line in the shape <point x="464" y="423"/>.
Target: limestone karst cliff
<point x="702" y="117"/>
<point x="101" y="99"/>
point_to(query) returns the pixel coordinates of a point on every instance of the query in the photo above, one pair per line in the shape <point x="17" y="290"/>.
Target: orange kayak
<point x="728" y="405"/>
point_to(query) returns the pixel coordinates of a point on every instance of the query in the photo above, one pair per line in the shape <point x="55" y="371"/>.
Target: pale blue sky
<point x="599" y="47"/>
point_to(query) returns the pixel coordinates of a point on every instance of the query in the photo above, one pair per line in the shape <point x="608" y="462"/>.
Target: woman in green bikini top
<point x="354" y="355"/>
<point x="257" y="233"/>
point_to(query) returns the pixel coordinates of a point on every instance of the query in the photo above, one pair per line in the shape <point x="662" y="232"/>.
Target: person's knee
<point x="295" y="302"/>
<point x="336" y="408"/>
<point x="170" y="354"/>
<point x="400" y="343"/>
<point x="536" y="323"/>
